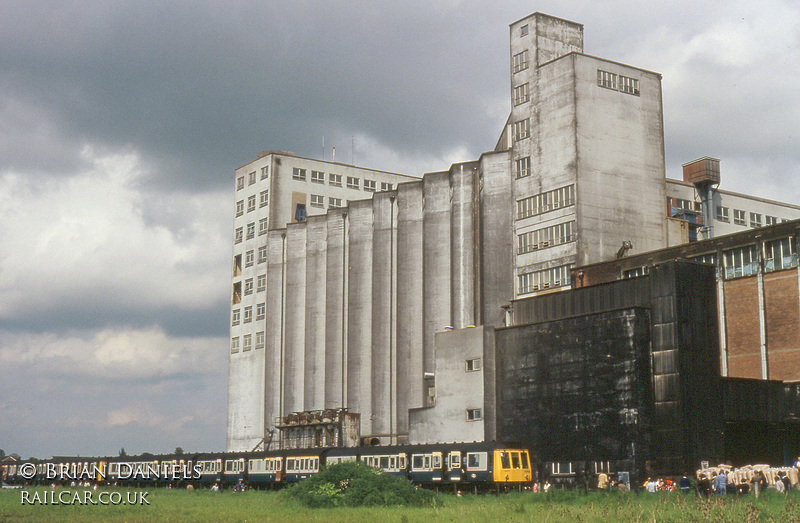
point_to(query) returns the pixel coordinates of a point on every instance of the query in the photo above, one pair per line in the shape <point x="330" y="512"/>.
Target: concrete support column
<point x="437" y="263"/>
<point x="316" y="290"/>
<point x="359" y="320"/>
<point x="294" y="339"/>
<point x="762" y="320"/>
<point x="723" y="333"/>
<point x="462" y="248"/>
<point x="334" y="311"/>
<point x="409" y="302"/>
<point x="383" y="295"/>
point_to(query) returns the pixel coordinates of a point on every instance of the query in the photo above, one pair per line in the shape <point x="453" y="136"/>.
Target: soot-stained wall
<point x="578" y="388"/>
<point x="624" y="371"/>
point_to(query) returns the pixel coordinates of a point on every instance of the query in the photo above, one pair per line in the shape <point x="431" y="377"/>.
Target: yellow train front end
<point x="511" y="467"/>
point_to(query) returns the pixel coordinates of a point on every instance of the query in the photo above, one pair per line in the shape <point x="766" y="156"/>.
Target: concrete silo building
<point x="390" y="303"/>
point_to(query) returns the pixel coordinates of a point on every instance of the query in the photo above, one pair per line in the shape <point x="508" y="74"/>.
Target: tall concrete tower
<point x="587" y="154"/>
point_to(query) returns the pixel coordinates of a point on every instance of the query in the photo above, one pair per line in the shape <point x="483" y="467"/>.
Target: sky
<point x="122" y="122"/>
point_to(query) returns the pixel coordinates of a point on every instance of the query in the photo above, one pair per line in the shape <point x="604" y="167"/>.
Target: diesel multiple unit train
<point x="478" y="465"/>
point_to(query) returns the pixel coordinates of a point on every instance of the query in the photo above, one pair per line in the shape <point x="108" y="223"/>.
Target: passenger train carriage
<point x="479" y="465"/>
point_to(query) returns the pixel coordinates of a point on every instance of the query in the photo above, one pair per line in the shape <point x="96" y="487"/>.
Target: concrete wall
<point x="456" y="391"/>
<point x="620" y="147"/>
<point x="410" y="392"/>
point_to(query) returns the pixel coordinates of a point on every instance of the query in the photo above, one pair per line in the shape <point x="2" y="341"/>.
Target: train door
<point x="455" y="465"/>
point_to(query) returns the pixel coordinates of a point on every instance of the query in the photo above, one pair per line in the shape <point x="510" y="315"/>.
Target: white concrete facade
<point x="278" y="265"/>
<point x="585" y="134"/>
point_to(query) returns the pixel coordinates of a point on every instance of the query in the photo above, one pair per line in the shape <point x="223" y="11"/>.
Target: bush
<point x="353" y="484"/>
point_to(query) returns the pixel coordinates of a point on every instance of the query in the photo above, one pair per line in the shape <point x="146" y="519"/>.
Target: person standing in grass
<point x="721" y="483"/>
<point x="779" y="486"/>
<point x="685" y="484"/>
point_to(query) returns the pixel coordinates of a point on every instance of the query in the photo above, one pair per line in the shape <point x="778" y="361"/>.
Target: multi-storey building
<point x="275" y="189"/>
<point x="386" y="303"/>
<point x="585" y="134"/>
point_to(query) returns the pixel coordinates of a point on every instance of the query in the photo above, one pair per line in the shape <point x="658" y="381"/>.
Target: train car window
<point x="384" y="462"/>
<point x="505" y="462"/>
<point x="455" y="460"/>
<point x="417" y="461"/>
<point x="515" y="460"/>
<point x="476" y="460"/>
<point x="525" y="463"/>
<point x="402" y="461"/>
<point x="437" y="460"/>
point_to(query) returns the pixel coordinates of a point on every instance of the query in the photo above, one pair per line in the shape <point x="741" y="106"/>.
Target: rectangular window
<point x="522" y="167"/>
<point x="546" y="201"/>
<point x="262" y="254"/>
<point x="606" y="79"/>
<point x="520" y="61"/>
<point x="248" y="314"/>
<point x="317" y="177"/>
<point x="239" y="208"/>
<point x="352" y="182"/>
<point x="386" y="186"/>
<point x="334" y="202"/>
<point x="251" y="203"/>
<point x="237" y="265"/>
<point x="544" y="279"/>
<point x="521" y="94"/>
<point x="521" y="129"/>
<point x="234" y="345"/>
<point x="251" y="230"/>
<point x="629" y="85"/>
<point x="261" y="283"/>
<point x="634" y="273"/>
<point x="740" y="262"/>
<point x="546" y="237"/>
<point x="369" y="185"/>
<point x="770" y="220"/>
<point x="779" y="254"/>
<point x="739" y="217"/>
<point x="261" y="311"/>
<point x="251" y="178"/>
<point x="265" y="172"/>
<point x="264" y="199"/>
<point x="317" y="200"/>
<point x="755" y="219"/>
<point x="299" y="174"/>
<point x="523" y="31"/>
<point x="262" y="226"/>
<point x="248" y="286"/>
<point x="259" y="340"/>
<point x="238" y="235"/>
<point x="248" y="342"/>
<point x="722" y="214"/>
<point x="236" y="316"/>
<point x="473" y="365"/>
<point x="710" y="258"/>
<point x="473" y="414"/>
<point x="240" y="183"/>
<point x="237" y="292"/>
<point x="248" y="259"/>
<point x="335" y="180"/>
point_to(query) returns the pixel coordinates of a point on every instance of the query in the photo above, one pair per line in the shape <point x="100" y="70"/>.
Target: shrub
<point x="353" y="484"/>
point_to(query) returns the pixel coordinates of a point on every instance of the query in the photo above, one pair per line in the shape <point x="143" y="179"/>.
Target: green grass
<point x="204" y="505"/>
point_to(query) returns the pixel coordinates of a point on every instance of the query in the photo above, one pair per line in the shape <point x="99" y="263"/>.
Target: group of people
<point x="725" y="480"/>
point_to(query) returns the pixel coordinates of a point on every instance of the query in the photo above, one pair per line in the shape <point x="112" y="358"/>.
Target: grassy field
<point x="204" y="505"/>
